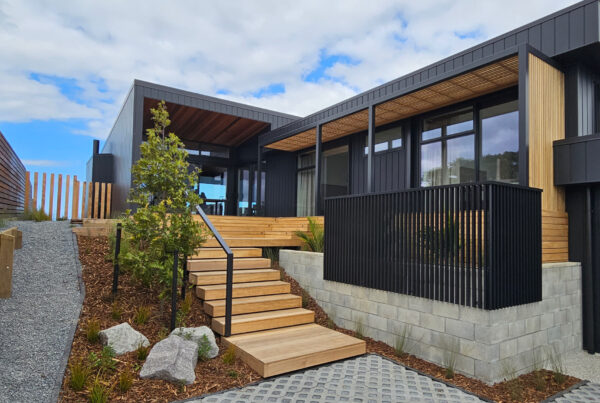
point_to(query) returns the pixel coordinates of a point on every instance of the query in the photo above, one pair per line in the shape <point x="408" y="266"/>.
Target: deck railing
<point x="477" y="245"/>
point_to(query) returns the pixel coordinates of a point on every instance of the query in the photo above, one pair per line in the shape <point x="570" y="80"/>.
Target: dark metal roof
<point x="558" y="33"/>
<point x="212" y="104"/>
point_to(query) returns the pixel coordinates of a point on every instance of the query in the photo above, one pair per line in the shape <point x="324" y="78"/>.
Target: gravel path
<point x="38" y="322"/>
<point x="584" y="366"/>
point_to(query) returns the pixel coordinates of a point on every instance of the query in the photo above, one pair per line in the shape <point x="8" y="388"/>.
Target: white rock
<point x="172" y="359"/>
<point x="123" y="338"/>
<point x="195" y="334"/>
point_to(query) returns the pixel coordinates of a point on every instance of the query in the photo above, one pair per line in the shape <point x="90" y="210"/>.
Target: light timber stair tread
<point x="212" y="292"/>
<point x="254" y="304"/>
<point x="256" y="242"/>
<point x="252" y="322"/>
<point x="194" y="265"/>
<point x="274" y="352"/>
<point x="239" y="276"/>
<point x="208" y="253"/>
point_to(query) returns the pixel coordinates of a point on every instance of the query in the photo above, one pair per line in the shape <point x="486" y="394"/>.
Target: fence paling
<point x="87" y="199"/>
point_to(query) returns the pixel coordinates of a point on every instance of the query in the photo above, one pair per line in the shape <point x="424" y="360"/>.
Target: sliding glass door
<point x="305" y="192"/>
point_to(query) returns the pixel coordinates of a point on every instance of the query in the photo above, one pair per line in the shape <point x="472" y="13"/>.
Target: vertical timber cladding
<point x="546" y="91"/>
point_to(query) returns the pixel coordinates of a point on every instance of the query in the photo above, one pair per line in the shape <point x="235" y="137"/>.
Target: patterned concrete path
<point x="369" y="378"/>
<point x="588" y="393"/>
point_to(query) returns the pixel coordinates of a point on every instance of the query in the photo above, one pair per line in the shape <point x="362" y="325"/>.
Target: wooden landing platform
<point x="274" y="352"/>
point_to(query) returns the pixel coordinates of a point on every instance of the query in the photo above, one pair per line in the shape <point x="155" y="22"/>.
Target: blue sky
<point x="67" y="66"/>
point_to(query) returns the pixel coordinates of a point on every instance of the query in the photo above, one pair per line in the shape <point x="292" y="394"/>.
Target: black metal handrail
<point x="229" y="277"/>
<point x="476" y="244"/>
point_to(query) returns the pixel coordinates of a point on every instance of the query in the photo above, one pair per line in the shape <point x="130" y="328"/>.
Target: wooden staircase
<point x="270" y="329"/>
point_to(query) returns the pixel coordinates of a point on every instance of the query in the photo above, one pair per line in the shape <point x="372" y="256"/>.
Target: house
<point x="455" y="182"/>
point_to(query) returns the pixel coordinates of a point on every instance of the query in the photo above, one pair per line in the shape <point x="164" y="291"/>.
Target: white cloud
<point x="45" y="163"/>
<point x="238" y="46"/>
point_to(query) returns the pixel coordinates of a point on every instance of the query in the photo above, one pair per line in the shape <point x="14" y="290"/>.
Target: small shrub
<point x="271" y="254"/>
<point x="314" y="239"/>
<point x="330" y="323"/>
<point x="184" y="310"/>
<point x="116" y="312"/>
<point x="204" y="348"/>
<point x="105" y="360"/>
<point x="163" y="333"/>
<point x="99" y="392"/>
<point x="450" y="354"/>
<point x="142" y="314"/>
<point x="142" y="352"/>
<point x="402" y="341"/>
<point x="229" y="355"/>
<point x="539" y="380"/>
<point x="125" y="381"/>
<point x="35" y="215"/>
<point x="359" y="331"/>
<point x="79" y="375"/>
<point x="513" y="384"/>
<point x="92" y="330"/>
<point x="232" y="373"/>
<point x="557" y="365"/>
<point x="305" y="299"/>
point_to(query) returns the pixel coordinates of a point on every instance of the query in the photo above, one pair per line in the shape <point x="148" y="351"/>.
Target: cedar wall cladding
<point x="12" y="180"/>
<point x="485" y="342"/>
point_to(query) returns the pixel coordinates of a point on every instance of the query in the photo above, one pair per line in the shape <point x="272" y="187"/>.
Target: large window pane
<point x="431" y="164"/>
<point x="500" y="143"/>
<point x="461" y="160"/>
<point x="386" y="140"/>
<point x="448" y="123"/>
<point x="334" y="174"/>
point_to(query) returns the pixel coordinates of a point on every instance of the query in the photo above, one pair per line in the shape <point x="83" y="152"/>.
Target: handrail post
<point x="115" y="283"/>
<point x="174" y="289"/>
<point x="228" y="294"/>
<point x="186" y="274"/>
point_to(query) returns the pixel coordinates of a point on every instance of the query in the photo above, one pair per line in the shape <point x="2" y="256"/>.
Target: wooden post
<point x="102" y="200"/>
<point x="43" y="206"/>
<point x="27" y="191"/>
<point x="108" y="197"/>
<point x="89" y="204"/>
<point x="51" y="201"/>
<point x="96" y="192"/>
<point x="7" y="247"/>
<point x="35" y="190"/>
<point x="58" y="196"/>
<point x="83" y="193"/>
<point x="75" y="206"/>
<point x="67" y="198"/>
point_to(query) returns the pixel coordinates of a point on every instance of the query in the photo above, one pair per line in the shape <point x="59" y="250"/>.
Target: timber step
<point x="254" y="242"/>
<point x="218" y="253"/>
<point x="240" y="290"/>
<point x="253" y="304"/>
<point x="274" y="352"/>
<point x="221" y="264"/>
<point x="239" y="276"/>
<point x="253" y="322"/>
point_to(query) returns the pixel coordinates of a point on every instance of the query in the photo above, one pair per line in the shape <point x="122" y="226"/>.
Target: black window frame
<point x="398" y="124"/>
<point x="500" y="97"/>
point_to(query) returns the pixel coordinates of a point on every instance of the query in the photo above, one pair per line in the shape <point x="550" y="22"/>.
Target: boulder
<point x="172" y="359"/>
<point x="195" y="334"/>
<point x="123" y="338"/>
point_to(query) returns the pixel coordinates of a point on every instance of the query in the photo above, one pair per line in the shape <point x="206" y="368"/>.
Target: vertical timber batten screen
<point x="477" y="245"/>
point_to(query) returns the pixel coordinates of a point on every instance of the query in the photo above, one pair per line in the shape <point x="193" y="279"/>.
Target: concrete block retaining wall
<point x="486" y="344"/>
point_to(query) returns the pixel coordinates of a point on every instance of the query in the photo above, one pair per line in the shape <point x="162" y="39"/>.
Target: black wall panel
<point x="280" y="191"/>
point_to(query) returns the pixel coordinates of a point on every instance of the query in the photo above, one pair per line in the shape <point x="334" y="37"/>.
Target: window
<point x="386" y="140"/>
<point x="448" y="148"/>
<point x="454" y="145"/>
<point x="499" y="160"/>
<point x="305" y="182"/>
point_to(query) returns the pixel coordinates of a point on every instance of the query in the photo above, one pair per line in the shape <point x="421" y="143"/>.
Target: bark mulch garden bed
<point x="215" y="375"/>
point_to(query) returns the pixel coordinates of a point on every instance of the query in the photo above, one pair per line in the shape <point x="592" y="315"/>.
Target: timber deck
<point x="271" y="331"/>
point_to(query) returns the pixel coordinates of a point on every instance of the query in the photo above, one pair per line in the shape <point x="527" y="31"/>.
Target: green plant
<point x="141" y="316"/>
<point x="125" y="380"/>
<point x="79" y="375"/>
<point x="204" y="348"/>
<point x="402" y="341"/>
<point x="450" y="354"/>
<point x="232" y="373"/>
<point x="92" y="330"/>
<point x="184" y="310"/>
<point x="229" y="355"/>
<point x="539" y="380"/>
<point x="512" y="383"/>
<point x="359" y="331"/>
<point x="315" y="238"/>
<point x="105" y="360"/>
<point x="162" y="221"/>
<point x="272" y="254"/>
<point x="115" y="311"/>
<point x="99" y="392"/>
<point x="163" y="333"/>
<point x="305" y="299"/>
<point x="442" y="242"/>
<point x="35" y="215"/>
<point x="142" y="352"/>
<point x="330" y="323"/>
<point x="556" y="363"/>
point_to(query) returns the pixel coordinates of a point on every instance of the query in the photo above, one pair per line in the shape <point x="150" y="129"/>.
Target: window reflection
<point x="499" y="159"/>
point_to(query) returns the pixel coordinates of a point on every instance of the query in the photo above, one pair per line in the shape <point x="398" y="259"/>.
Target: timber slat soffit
<point x="484" y="80"/>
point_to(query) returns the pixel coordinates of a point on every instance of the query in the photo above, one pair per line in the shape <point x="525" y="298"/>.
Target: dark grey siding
<point x="120" y="144"/>
<point x="280" y="191"/>
<point x="390" y="168"/>
<point x="580" y="104"/>
<point x="558" y="33"/>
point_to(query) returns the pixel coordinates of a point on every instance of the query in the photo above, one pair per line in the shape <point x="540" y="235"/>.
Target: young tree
<point x="163" y="193"/>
